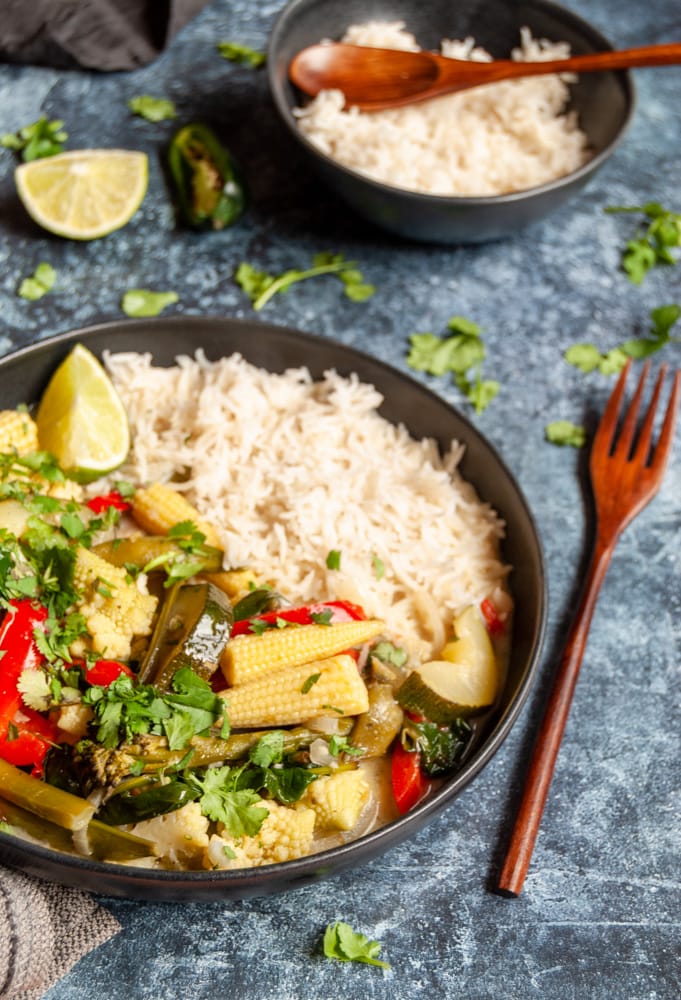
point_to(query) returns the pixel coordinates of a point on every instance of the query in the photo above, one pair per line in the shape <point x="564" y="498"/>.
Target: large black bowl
<point x="24" y="375"/>
<point x="603" y="101"/>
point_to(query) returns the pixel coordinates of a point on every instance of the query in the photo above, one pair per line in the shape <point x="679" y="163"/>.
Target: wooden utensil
<point x="626" y="473"/>
<point x="373" y="79"/>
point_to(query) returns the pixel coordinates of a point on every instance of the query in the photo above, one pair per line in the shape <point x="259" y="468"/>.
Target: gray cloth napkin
<point x="44" y="930"/>
<point x="94" y="34"/>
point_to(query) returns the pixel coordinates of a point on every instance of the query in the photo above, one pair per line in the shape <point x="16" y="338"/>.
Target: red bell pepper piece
<point x="341" y="611"/>
<point x="105" y="672"/>
<point x="495" y="626"/>
<point x="101" y="503"/>
<point x="25" y="735"/>
<point x="409" y="782"/>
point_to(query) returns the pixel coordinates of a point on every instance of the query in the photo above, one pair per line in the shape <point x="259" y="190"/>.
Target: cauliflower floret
<point x="337" y="799"/>
<point x="181" y="837"/>
<point x="286" y="834"/>
<point x="115" y="609"/>
<point x="74" y="719"/>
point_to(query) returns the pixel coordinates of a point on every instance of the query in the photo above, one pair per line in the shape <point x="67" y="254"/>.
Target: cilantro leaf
<point x="268" y="750"/>
<point x="154" y="109"/>
<point x="261" y="286"/>
<point x="654" y="240"/>
<point x="388" y="653"/>
<point x="237" y="52"/>
<point x="588" y="358"/>
<point x="333" y="559"/>
<point x="346" y="945"/>
<point x="564" y="432"/>
<point x="39" y="284"/>
<point x="241" y="810"/>
<point x="309" y="683"/>
<point x="143" y="302"/>
<point x="459" y="354"/>
<point x="378" y="567"/>
<point x="38" y="140"/>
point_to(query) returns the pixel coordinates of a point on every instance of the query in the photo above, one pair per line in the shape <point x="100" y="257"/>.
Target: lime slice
<point x="81" y="418"/>
<point x="83" y="194"/>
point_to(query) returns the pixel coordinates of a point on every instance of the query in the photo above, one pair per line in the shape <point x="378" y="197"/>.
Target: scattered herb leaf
<point x="459" y="354"/>
<point x="40" y="139"/>
<point x="261" y="286"/>
<point x="154" y="109"/>
<point x="654" y="240"/>
<point x="333" y="559"/>
<point x="39" y="284"/>
<point x="588" y="358"/>
<point x="388" y="653"/>
<point x="311" y="680"/>
<point x="143" y="302"/>
<point x="236" y="52"/>
<point x="564" y="432"/>
<point x="379" y="567"/>
<point x="346" y="945"/>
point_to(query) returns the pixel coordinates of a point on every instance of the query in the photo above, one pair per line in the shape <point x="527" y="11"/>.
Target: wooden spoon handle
<point x="502" y="69"/>
<point x="546" y="748"/>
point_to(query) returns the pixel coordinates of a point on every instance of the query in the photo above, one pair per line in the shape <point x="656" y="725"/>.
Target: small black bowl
<point x="23" y="377"/>
<point x="603" y="101"/>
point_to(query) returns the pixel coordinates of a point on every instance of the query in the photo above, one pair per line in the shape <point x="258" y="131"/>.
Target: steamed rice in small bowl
<point x="490" y="140"/>
<point x="462" y="168"/>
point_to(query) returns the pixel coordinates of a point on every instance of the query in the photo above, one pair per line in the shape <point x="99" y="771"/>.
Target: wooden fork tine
<point x="605" y="432"/>
<point x="642" y="450"/>
<point x="664" y="444"/>
<point x="626" y="435"/>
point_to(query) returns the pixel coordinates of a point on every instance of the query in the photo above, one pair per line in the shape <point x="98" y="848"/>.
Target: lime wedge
<point x="81" y="418"/>
<point x="83" y="194"/>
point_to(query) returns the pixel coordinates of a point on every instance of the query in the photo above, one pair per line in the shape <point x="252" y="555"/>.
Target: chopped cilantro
<point x="268" y="750"/>
<point x="588" y="358"/>
<point x="261" y="286"/>
<point x="378" y="567"/>
<point x="241" y="810"/>
<point x="143" y="302"/>
<point x="322" y="617"/>
<point x="154" y="109"/>
<point x="237" y="52"/>
<point x="41" y="138"/>
<point x="654" y="241"/>
<point x="564" y="432"/>
<point x="333" y="559"/>
<point x="39" y="284"/>
<point x="339" y="745"/>
<point x="309" y="682"/>
<point x="346" y="945"/>
<point x="388" y="653"/>
<point x="459" y="354"/>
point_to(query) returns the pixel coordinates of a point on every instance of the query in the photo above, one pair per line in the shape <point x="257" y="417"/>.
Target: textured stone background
<point x="599" y="916"/>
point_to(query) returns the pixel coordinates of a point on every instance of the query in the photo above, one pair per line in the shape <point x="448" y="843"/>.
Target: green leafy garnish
<point x="333" y="559"/>
<point x="378" y="567"/>
<point x="39" y="284"/>
<point x="241" y="810"/>
<point x="154" y="109"/>
<point x="588" y="358"/>
<point x="346" y="945"/>
<point x="309" y="682"/>
<point x="124" y="710"/>
<point x="440" y="746"/>
<point x="35" y="141"/>
<point x="143" y="302"/>
<point x="564" y="432"/>
<point x="261" y="286"/>
<point x="322" y="617"/>
<point x="339" y="745"/>
<point x="388" y="653"/>
<point x="459" y="354"/>
<point x="654" y="240"/>
<point x="236" y="52"/>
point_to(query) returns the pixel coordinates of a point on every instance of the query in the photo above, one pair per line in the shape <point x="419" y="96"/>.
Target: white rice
<point x="288" y="469"/>
<point x="493" y="139"/>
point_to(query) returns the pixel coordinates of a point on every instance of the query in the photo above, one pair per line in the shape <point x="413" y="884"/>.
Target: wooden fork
<point x="626" y="473"/>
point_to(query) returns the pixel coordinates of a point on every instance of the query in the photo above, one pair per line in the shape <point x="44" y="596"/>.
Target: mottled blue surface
<point x="599" y="916"/>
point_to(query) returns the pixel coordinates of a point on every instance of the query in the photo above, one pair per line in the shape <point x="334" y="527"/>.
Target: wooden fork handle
<point x="543" y="759"/>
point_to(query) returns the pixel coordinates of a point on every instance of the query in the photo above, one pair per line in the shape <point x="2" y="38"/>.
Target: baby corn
<point x="18" y="433"/>
<point x="247" y="657"/>
<point x="158" y="508"/>
<point x="291" y="696"/>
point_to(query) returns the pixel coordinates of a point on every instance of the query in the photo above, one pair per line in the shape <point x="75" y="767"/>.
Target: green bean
<point x="43" y="800"/>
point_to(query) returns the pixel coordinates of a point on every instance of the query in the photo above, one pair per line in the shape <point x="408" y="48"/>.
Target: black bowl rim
<point x="585" y="171"/>
<point x="141" y="883"/>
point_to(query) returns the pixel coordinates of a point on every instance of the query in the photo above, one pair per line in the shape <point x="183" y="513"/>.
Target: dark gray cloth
<point x="92" y="34"/>
<point x="44" y="930"/>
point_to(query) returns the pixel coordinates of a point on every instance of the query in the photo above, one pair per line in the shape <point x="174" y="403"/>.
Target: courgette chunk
<point x="462" y="682"/>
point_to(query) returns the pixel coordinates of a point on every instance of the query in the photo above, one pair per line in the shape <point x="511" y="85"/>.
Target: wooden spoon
<point x="373" y="79"/>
